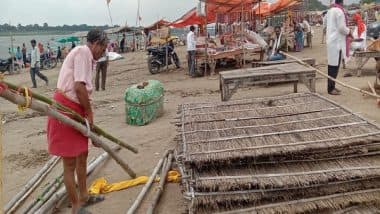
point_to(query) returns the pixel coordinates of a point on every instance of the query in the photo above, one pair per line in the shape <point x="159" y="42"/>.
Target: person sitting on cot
<point x="278" y="43"/>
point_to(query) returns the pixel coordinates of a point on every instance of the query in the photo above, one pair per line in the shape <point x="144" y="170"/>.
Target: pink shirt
<point x="77" y="67"/>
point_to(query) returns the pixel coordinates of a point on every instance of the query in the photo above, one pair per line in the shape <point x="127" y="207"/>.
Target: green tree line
<point x="46" y="28"/>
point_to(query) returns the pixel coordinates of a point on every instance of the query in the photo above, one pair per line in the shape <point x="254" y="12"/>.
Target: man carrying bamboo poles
<point x="337" y="42"/>
<point x="74" y="88"/>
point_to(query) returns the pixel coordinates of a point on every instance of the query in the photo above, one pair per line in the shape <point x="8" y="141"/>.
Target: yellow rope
<point x="28" y="101"/>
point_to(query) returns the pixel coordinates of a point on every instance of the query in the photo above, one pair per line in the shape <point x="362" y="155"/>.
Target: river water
<point x="5" y="42"/>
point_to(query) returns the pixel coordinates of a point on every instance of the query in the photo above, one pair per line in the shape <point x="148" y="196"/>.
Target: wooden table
<point x="237" y="54"/>
<point x="309" y="61"/>
<point x="363" y="57"/>
<point x="230" y="81"/>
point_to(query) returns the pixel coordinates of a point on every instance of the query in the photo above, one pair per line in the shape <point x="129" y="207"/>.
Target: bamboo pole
<point x="76" y="116"/>
<point x="330" y="78"/>
<point x="256" y="108"/>
<point x="160" y="189"/>
<point x="292" y="144"/>
<point x="43" y="108"/>
<point x="147" y="186"/>
<point x="373" y="91"/>
<point x="220" y="139"/>
<point x="30" y="186"/>
<point x="46" y="194"/>
<point x="49" y="205"/>
<point x="257" y="209"/>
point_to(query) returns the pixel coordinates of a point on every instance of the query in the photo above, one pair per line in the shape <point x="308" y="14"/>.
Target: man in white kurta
<point x="336" y="31"/>
<point x="191" y="48"/>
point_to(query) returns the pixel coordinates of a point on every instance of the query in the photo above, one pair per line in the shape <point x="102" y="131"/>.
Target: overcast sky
<point x="91" y="12"/>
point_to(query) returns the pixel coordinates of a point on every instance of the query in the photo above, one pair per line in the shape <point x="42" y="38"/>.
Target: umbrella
<point x="72" y="39"/>
<point x="62" y="40"/>
<point x="68" y="39"/>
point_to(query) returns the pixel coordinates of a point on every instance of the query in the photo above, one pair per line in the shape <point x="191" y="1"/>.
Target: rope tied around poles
<point x="28" y="99"/>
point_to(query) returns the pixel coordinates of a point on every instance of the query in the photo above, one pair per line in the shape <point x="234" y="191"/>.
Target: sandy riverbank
<point x="24" y="140"/>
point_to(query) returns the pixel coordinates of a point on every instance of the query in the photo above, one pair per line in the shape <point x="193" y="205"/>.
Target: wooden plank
<point x="273" y="73"/>
<point x="309" y="61"/>
<point x="283" y="68"/>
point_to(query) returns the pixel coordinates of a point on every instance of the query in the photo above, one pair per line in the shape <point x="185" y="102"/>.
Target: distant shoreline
<point x="32" y="33"/>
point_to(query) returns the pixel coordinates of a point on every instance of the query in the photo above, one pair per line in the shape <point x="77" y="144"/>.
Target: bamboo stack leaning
<point x="76" y="116"/>
<point x="44" y="108"/>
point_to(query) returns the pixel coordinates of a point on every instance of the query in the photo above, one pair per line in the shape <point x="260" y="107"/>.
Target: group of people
<point x="278" y="42"/>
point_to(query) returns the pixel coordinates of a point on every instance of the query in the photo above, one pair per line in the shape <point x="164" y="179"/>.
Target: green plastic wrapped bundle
<point x="144" y="102"/>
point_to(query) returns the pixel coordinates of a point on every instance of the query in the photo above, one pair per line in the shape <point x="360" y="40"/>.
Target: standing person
<point x="191" y="47"/>
<point x="307" y="30"/>
<point x="298" y="35"/>
<point x="35" y="65"/>
<point x="23" y="50"/>
<point x="359" y="43"/>
<point x="72" y="45"/>
<point x="101" y="69"/>
<point x="366" y="17"/>
<point x="337" y="42"/>
<point x="122" y="43"/>
<point x="19" y="57"/>
<point x="59" y="54"/>
<point x="74" y="88"/>
<point x="48" y="52"/>
<point x="324" y="20"/>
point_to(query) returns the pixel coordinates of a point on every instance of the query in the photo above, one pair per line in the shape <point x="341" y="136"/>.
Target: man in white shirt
<point x="191" y="47"/>
<point x="336" y="40"/>
<point x="35" y="65"/>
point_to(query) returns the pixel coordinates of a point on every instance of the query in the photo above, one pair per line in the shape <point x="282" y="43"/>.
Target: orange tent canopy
<point x="262" y="8"/>
<point x="214" y="7"/>
<point x="268" y="8"/>
<point x="226" y="6"/>
<point x="158" y="24"/>
<point x="191" y="18"/>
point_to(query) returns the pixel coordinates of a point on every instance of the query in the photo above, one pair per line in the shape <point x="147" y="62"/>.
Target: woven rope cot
<point x="258" y="155"/>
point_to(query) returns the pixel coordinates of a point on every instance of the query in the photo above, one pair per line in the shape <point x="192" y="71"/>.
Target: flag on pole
<point x="108" y="1"/>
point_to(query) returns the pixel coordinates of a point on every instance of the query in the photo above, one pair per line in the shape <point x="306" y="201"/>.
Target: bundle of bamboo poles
<point x="46" y="108"/>
<point x="75" y="115"/>
<point x="31" y="185"/>
<point x="164" y="164"/>
<point x="55" y="195"/>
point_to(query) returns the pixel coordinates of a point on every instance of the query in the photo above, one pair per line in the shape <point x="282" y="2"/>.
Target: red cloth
<point x="63" y="140"/>
<point x="359" y="22"/>
<point x="346" y="20"/>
